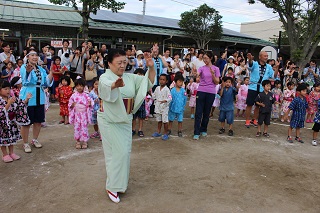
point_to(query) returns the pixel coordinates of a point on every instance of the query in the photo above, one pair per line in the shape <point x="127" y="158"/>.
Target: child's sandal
<point x="78" y="145"/>
<point x="140" y="133"/>
<point x="84" y="145"/>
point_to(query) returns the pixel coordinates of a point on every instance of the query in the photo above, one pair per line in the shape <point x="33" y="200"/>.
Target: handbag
<point x="90" y="74"/>
<point x="74" y="69"/>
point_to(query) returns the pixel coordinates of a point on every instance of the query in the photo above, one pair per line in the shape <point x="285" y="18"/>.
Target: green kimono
<point x="116" y="125"/>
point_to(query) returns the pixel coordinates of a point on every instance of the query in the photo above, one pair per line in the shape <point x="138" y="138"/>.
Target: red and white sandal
<point x="114" y="196"/>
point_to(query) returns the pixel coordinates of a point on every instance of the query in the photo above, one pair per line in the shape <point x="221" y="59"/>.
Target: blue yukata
<point x="177" y="105"/>
<point x="299" y="107"/>
<point x="96" y="106"/>
<point x="317" y="116"/>
<point x="34" y="83"/>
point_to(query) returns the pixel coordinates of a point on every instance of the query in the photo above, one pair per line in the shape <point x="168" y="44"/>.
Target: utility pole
<point x="144" y="7"/>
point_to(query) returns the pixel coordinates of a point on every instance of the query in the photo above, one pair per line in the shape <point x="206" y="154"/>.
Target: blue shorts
<point x="175" y="116"/>
<point x="226" y="115"/>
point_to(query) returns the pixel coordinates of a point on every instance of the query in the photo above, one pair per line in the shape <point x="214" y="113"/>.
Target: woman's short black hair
<point x="67" y="78"/>
<point x="80" y="81"/>
<point x="113" y="53"/>
<point x="4" y="84"/>
<point x="65" y="40"/>
<point x="209" y="54"/>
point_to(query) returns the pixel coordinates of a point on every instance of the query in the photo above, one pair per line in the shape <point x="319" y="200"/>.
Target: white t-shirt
<point x="168" y="60"/>
<point x="197" y="63"/>
<point x="65" y="61"/>
<point x="3" y="57"/>
<point x="176" y="69"/>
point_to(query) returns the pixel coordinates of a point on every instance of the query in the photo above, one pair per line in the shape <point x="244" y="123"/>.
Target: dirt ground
<point x="215" y="174"/>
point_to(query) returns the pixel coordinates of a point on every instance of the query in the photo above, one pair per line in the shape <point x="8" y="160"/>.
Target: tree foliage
<point x="301" y="21"/>
<point x="87" y="7"/>
<point x="203" y="24"/>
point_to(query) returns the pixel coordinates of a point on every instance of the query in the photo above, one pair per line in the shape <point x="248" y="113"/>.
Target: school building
<point x="49" y="24"/>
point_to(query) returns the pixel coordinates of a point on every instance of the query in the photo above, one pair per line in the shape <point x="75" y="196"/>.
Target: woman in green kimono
<point x="121" y="95"/>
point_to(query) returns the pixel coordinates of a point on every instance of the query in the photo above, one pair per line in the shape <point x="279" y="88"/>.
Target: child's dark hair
<point x="266" y="82"/>
<point x="66" y="73"/>
<point x="55" y="58"/>
<point x="139" y="71"/>
<point x="277" y="82"/>
<point x="230" y="68"/>
<point x="226" y="78"/>
<point x="80" y="81"/>
<point x="178" y="77"/>
<point x="301" y="87"/>
<point x="66" y="78"/>
<point x="19" y="59"/>
<point x="316" y="84"/>
<point x="13" y="81"/>
<point x="163" y="75"/>
<point x="290" y="83"/>
<point x="95" y="79"/>
<point x="245" y="78"/>
<point x="4" y="84"/>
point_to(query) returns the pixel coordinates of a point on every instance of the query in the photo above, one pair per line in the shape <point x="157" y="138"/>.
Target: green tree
<point x="202" y="24"/>
<point x="87" y="7"/>
<point x="301" y="21"/>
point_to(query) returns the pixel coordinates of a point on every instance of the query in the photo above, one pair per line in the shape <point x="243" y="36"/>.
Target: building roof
<point x="146" y="20"/>
<point x="31" y="13"/>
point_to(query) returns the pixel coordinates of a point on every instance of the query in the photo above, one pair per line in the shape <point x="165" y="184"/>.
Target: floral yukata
<point x="80" y="115"/>
<point x="193" y="91"/>
<point x="64" y="99"/>
<point x="242" y="97"/>
<point x="288" y="96"/>
<point x="313" y="102"/>
<point x="10" y="120"/>
<point x="278" y="96"/>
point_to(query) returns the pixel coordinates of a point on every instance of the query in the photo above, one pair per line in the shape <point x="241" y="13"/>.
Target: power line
<point x="226" y="21"/>
<point x="223" y="8"/>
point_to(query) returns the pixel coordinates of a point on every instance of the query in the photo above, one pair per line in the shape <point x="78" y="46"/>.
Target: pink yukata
<point x="80" y="115"/>
<point x="148" y="102"/>
<point x="288" y="96"/>
<point x="314" y="96"/>
<point x="242" y="97"/>
<point x="193" y="91"/>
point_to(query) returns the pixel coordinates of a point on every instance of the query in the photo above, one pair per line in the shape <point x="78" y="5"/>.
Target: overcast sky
<point x="234" y="12"/>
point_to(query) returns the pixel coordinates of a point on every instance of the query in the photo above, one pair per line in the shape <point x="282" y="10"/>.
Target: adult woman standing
<point x="140" y="62"/>
<point x="209" y="78"/>
<point x="121" y="94"/>
<point x="76" y="66"/>
<point x="34" y="79"/>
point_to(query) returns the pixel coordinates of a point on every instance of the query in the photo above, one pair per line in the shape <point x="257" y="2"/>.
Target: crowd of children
<point x="79" y="104"/>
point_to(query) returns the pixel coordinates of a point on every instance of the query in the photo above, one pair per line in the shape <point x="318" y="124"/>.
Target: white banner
<point x="58" y="43"/>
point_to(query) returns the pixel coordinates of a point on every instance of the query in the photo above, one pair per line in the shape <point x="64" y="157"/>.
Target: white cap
<point x="139" y="52"/>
